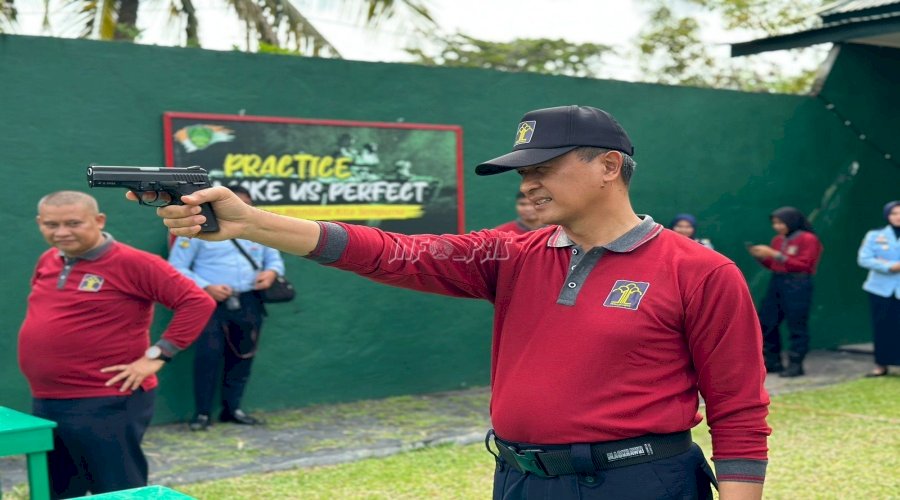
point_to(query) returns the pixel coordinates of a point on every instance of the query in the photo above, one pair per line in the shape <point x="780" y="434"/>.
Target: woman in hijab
<point x="792" y="257"/>
<point x="880" y="254"/>
<point x="686" y="225"/>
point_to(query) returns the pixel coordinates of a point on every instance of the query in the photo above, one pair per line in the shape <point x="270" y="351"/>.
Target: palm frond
<point x="82" y="19"/>
<point x="307" y="38"/>
<point x="266" y="19"/>
<point x="379" y="10"/>
<point x="255" y="19"/>
<point x="8" y="14"/>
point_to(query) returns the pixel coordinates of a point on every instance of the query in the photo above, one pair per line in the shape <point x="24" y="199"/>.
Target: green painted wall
<point x="862" y="85"/>
<point x="728" y="157"/>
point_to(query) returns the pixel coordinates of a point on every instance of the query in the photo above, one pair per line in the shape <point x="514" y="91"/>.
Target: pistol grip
<point x="212" y="224"/>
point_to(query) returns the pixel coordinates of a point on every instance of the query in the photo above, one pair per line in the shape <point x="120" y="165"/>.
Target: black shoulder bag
<point x="281" y="290"/>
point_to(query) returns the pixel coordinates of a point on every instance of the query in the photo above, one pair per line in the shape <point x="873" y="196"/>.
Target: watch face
<point x="153" y="352"/>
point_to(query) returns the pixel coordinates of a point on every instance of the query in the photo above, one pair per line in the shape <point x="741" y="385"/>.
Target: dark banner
<point x="402" y="177"/>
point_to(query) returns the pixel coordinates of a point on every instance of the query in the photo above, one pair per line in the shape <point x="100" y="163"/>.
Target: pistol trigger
<point x="174" y="197"/>
<point x="137" y="194"/>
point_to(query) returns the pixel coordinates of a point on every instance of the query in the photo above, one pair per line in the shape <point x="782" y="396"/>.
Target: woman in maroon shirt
<point x="792" y="257"/>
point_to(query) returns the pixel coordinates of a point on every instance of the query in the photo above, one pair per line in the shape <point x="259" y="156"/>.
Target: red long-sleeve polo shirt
<point x="799" y="253"/>
<point x="97" y="313"/>
<point x="594" y="346"/>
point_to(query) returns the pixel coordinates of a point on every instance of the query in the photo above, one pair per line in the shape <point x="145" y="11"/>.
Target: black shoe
<point x="793" y="370"/>
<point x="774" y="368"/>
<point x="239" y="417"/>
<point x="878" y="372"/>
<point x="773" y="363"/>
<point x="200" y="423"/>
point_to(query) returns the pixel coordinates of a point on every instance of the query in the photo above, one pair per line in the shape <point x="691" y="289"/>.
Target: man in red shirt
<point x="84" y="345"/>
<point x="606" y="325"/>
<point x="527" y="219"/>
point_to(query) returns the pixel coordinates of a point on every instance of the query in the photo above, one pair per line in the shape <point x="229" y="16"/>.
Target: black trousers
<point x="97" y="442"/>
<point x="789" y="299"/>
<point x="228" y="343"/>
<point x="886" y="329"/>
<point x="684" y="476"/>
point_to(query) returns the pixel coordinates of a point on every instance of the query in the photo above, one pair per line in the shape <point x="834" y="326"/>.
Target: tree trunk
<point x="193" y="39"/>
<point x="126" y="27"/>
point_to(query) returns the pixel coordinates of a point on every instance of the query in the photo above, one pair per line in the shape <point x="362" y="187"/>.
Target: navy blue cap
<point x="544" y="134"/>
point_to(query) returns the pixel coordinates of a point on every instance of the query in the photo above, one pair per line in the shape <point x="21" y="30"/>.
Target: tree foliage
<point x="270" y="23"/>
<point x="769" y="17"/>
<point x="8" y="14"/>
<point x="670" y="49"/>
<point x="541" y="55"/>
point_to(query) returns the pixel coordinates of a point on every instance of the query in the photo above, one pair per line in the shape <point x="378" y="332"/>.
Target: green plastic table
<point x="20" y="434"/>
<point x="148" y="492"/>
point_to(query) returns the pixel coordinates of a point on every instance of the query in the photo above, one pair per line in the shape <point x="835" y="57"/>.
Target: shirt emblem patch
<point x="524" y="132"/>
<point x="791" y="250"/>
<point x="626" y="294"/>
<point x="90" y="283"/>
<point x="185" y="244"/>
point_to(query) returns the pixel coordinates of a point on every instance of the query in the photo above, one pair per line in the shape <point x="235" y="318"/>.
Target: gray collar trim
<point x="94" y="253"/>
<point x="637" y="236"/>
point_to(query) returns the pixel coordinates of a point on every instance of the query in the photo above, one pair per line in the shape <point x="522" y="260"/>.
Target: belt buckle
<point x="528" y="461"/>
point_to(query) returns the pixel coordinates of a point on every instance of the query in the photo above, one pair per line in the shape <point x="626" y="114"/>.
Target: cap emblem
<point x="524" y="132"/>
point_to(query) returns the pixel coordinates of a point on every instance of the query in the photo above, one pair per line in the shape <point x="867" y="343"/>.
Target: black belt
<point x="557" y="460"/>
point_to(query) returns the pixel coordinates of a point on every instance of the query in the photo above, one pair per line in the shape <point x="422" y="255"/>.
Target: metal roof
<point x="874" y="22"/>
<point x="855" y="10"/>
<point x="847" y="6"/>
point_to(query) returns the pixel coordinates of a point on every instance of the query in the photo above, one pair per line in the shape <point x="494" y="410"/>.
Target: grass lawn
<point x="841" y="442"/>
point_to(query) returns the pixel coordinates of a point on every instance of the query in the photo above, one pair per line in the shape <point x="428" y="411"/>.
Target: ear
<point x="101" y="219"/>
<point x="612" y="165"/>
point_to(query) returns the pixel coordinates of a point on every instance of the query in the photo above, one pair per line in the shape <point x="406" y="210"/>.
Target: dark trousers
<point x="886" y="329"/>
<point x="230" y="339"/>
<point x="97" y="442"/>
<point x="789" y="299"/>
<point x="684" y="476"/>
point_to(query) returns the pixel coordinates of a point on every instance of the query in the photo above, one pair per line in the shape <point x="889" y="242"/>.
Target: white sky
<point x="610" y="22"/>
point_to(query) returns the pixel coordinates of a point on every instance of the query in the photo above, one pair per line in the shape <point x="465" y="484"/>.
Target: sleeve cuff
<point x="741" y="470"/>
<point x="168" y="348"/>
<point x="781" y="257"/>
<point x="333" y="240"/>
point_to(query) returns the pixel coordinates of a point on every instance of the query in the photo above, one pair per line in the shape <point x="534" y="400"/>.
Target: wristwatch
<point x="155" y="352"/>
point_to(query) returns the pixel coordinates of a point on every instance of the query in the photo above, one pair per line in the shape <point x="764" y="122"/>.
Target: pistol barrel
<point x="145" y="178"/>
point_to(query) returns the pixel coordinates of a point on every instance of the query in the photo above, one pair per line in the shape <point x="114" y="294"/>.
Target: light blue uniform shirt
<point x="880" y="250"/>
<point x="221" y="263"/>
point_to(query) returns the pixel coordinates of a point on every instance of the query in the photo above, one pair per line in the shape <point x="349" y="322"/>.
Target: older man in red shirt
<point x="85" y="344"/>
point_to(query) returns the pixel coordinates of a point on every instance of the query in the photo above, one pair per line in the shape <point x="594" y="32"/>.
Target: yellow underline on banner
<point x="347" y="212"/>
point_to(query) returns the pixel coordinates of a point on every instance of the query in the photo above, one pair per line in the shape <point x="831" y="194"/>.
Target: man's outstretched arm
<point x="238" y="220"/>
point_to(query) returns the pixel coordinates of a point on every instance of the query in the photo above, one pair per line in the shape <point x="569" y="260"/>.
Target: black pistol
<point x="145" y="180"/>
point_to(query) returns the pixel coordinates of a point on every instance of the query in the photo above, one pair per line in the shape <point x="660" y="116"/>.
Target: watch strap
<point x="164" y="354"/>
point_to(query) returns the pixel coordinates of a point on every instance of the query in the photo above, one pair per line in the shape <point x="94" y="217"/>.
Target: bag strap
<point x="246" y="255"/>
